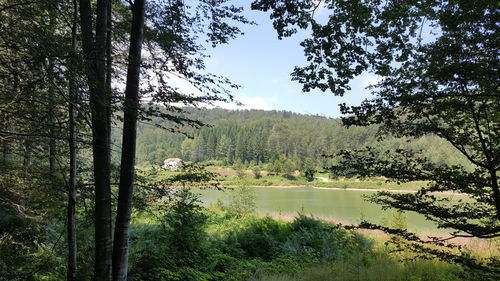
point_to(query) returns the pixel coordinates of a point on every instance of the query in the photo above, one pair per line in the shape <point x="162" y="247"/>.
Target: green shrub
<point x="184" y="225"/>
<point x="242" y="202"/>
<point x="261" y="238"/>
<point x="316" y="239"/>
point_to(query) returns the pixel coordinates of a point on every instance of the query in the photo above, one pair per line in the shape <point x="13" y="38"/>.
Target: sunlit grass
<point x="228" y="176"/>
<point x="377" y="266"/>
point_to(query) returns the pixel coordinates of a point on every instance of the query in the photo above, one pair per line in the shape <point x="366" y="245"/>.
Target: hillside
<point x="256" y="137"/>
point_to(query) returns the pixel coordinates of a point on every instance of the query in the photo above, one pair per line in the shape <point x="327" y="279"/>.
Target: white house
<point x="172" y="163"/>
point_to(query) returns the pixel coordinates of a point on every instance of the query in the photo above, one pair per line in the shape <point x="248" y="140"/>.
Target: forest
<point x="256" y="137"/>
<point x="91" y="103"/>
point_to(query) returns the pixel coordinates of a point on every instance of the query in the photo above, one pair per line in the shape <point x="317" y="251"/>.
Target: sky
<point x="261" y="64"/>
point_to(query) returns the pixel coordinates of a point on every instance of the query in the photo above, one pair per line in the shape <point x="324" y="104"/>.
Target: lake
<point x="339" y="205"/>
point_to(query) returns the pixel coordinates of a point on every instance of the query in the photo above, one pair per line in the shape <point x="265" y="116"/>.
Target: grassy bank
<point x="227" y="241"/>
<point x="228" y="176"/>
<point x="374" y="266"/>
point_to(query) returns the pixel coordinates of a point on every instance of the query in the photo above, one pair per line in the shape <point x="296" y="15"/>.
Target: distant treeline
<point x="255" y="137"/>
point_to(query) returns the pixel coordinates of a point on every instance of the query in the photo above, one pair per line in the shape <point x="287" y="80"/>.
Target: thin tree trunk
<point x="27" y="154"/>
<point x="127" y="169"/>
<point x="5" y="151"/>
<point x="96" y="52"/>
<point x="71" y="223"/>
<point x="52" y="132"/>
<point x="109" y="61"/>
<point x="51" y="115"/>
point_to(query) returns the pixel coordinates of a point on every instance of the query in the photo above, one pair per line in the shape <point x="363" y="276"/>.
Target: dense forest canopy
<point x="255" y="137"/>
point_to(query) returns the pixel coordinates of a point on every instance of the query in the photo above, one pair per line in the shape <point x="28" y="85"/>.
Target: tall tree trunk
<point x="52" y="131"/>
<point x="51" y="114"/>
<point x="95" y="51"/>
<point x="109" y="61"/>
<point x="71" y="227"/>
<point x="127" y="169"/>
<point x="5" y="151"/>
<point x="27" y="154"/>
<point x="71" y="223"/>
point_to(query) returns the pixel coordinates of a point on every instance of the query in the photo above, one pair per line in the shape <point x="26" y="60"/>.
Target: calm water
<point x="343" y="205"/>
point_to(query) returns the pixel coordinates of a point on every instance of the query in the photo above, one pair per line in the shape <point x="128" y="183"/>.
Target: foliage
<point x="184" y="224"/>
<point x="373" y="266"/>
<point x="273" y="141"/>
<point x="192" y="243"/>
<point x="43" y="59"/>
<point x="250" y="136"/>
<point x="437" y="64"/>
<point x="261" y="238"/>
<point x="323" y="241"/>
<point x="242" y="202"/>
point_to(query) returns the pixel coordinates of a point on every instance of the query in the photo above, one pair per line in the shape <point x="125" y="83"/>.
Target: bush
<point x="242" y="202"/>
<point x="163" y="252"/>
<point x="184" y="227"/>
<point x="311" y="238"/>
<point x="261" y="238"/>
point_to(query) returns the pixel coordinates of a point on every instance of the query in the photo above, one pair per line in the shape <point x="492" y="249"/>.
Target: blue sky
<point x="262" y="64"/>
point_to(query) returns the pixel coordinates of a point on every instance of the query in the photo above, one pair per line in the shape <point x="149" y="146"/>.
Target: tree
<point x="127" y="164"/>
<point x="94" y="50"/>
<point x="40" y="56"/>
<point x="171" y="36"/>
<point x="37" y="49"/>
<point x="438" y="67"/>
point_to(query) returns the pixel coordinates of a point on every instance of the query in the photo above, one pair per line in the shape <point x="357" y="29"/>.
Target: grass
<point x="377" y="266"/>
<point x="241" y="236"/>
<point x="238" y="244"/>
<point x="228" y="176"/>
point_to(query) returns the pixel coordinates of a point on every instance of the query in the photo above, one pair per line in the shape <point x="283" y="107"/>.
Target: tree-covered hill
<point x="257" y="137"/>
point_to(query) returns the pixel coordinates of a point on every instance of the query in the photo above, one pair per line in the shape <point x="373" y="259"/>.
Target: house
<point x="172" y="163"/>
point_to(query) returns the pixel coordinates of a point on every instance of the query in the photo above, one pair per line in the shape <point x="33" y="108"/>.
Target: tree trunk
<point x="109" y="61"/>
<point x="71" y="221"/>
<point x="5" y="151"/>
<point x="27" y="154"/>
<point x="71" y="227"/>
<point x="496" y="190"/>
<point x="52" y="131"/>
<point x="51" y="115"/>
<point x="122" y="225"/>
<point x="96" y="69"/>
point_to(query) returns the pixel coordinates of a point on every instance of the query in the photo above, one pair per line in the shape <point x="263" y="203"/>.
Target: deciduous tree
<point x="438" y="67"/>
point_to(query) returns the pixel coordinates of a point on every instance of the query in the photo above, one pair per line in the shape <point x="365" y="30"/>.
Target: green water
<point x="340" y="205"/>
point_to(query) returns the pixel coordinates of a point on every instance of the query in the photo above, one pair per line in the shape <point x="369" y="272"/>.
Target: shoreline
<point x="471" y="243"/>
<point x="340" y="189"/>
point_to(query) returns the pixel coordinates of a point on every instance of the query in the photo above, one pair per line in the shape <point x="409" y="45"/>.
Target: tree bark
<point x="51" y="115"/>
<point x="127" y="168"/>
<point x="27" y="154"/>
<point x="109" y="63"/>
<point x="95" y="53"/>
<point x="52" y="131"/>
<point x="496" y="190"/>
<point x="5" y="151"/>
<point x="71" y="208"/>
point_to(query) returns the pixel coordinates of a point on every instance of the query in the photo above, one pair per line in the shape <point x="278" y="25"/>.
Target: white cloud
<point x="369" y="79"/>
<point x="240" y="101"/>
<point x="245" y="102"/>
